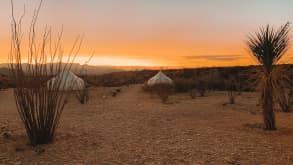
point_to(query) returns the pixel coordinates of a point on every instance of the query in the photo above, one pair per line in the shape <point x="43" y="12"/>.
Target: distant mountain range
<point x="84" y="69"/>
<point x="79" y="70"/>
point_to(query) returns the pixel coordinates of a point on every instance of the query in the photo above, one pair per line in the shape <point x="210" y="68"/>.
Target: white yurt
<point x="68" y="81"/>
<point x="159" y="78"/>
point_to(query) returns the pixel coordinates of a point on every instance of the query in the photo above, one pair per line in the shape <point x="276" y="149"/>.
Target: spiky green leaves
<point x="268" y="45"/>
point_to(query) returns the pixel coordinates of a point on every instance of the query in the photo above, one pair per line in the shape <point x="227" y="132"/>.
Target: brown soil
<point x="136" y="128"/>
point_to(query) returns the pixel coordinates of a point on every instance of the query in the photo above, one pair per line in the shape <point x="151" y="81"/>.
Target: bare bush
<point x="162" y="90"/>
<point x="231" y="87"/>
<point x="39" y="105"/>
<point x="192" y="93"/>
<point x="201" y="87"/>
<point x="82" y="95"/>
<point x="284" y="94"/>
<point x="184" y="84"/>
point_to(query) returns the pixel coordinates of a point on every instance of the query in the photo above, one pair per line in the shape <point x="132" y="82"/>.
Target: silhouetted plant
<point x="268" y="46"/>
<point x="39" y="105"/>
<point x="82" y="95"/>
<point x="162" y="90"/>
<point x="192" y="93"/>
<point x="201" y="87"/>
<point x="231" y="87"/>
<point x="184" y="84"/>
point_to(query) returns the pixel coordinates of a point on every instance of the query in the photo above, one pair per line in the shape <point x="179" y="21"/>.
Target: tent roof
<point x="159" y="78"/>
<point x="68" y="81"/>
<point x="66" y="74"/>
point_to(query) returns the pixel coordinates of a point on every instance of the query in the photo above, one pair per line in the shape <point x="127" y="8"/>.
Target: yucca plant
<point x="268" y="45"/>
<point x="39" y="105"/>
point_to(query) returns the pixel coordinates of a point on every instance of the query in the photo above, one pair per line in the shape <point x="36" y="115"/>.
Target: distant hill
<point x="92" y="70"/>
<point x="77" y="68"/>
<point x="216" y="77"/>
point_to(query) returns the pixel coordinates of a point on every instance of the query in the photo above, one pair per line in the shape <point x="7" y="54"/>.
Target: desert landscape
<point x="137" y="128"/>
<point x="114" y="82"/>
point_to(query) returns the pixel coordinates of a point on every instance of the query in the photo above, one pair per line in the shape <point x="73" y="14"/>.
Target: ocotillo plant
<point x="39" y="105"/>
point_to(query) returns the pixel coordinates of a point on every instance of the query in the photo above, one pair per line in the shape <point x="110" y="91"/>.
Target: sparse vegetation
<point x="184" y="84"/>
<point x="201" y="87"/>
<point x="162" y="90"/>
<point x="82" y="95"/>
<point x="284" y="92"/>
<point x="139" y="101"/>
<point x="231" y="87"/>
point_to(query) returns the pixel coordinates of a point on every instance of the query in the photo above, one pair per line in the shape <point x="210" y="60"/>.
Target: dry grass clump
<point x="231" y="88"/>
<point x="39" y="106"/>
<point x="284" y="104"/>
<point x="82" y="95"/>
<point x="162" y="90"/>
<point x="285" y="90"/>
<point x="184" y="84"/>
<point x="202" y="87"/>
<point x="4" y="82"/>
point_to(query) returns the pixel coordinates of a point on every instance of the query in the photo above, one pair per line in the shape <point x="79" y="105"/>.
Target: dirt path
<point x="135" y="128"/>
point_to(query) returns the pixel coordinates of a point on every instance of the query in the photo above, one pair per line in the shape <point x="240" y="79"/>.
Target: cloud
<point x="227" y="57"/>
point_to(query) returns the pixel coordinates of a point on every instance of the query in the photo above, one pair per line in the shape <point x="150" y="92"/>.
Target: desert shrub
<point x="184" y="84"/>
<point x="115" y="92"/>
<point x="201" y="87"/>
<point x="192" y="93"/>
<point x="285" y="99"/>
<point x="39" y="105"/>
<point x="82" y="95"/>
<point x="187" y="73"/>
<point x="162" y="90"/>
<point x="216" y="85"/>
<point x="231" y="88"/>
<point x="146" y="88"/>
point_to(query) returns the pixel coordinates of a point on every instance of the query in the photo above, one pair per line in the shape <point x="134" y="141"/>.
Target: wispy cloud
<point x="228" y="57"/>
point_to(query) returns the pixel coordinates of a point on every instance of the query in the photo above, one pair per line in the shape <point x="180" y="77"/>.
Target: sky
<point x="181" y="33"/>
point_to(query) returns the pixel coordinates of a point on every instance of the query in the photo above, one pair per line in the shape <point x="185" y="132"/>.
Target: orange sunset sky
<point x="181" y="33"/>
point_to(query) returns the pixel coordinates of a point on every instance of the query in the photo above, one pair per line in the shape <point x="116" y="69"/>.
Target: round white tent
<point x="68" y="81"/>
<point x="159" y="78"/>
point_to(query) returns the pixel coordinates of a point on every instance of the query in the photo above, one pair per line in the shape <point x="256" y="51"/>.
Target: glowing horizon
<point x="177" y="33"/>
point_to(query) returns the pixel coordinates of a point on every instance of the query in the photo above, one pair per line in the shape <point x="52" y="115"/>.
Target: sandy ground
<point x="136" y="128"/>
